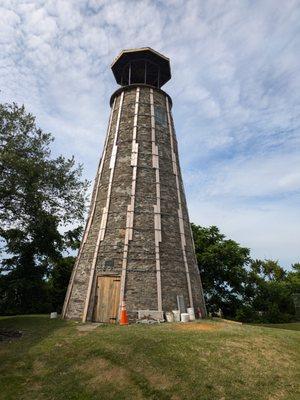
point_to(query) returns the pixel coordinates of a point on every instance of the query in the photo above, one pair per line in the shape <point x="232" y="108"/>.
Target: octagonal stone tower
<point x="137" y="244"/>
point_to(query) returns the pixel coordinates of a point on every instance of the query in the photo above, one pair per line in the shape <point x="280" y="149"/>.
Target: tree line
<point x="243" y="288"/>
<point x="42" y="207"/>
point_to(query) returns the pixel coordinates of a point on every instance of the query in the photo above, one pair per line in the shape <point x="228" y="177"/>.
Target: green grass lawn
<point x="205" y="360"/>
<point x="293" y="326"/>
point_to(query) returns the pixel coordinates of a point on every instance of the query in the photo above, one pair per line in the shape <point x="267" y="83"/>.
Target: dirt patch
<point x="279" y="395"/>
<point x="8" y="334"/>
<point x="101" y="370"/>
<point x="39" y="368"/>
<point x="158" y="379"/>
<point x="88" y="327"/>
<point x="228" y="321"/>
<point x="205" y="326"/>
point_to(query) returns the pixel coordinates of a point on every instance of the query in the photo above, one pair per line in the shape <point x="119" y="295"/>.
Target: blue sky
<point x="235" y="88"/>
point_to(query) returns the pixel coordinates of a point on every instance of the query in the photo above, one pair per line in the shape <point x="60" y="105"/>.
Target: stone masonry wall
<point x="146" y="237"/>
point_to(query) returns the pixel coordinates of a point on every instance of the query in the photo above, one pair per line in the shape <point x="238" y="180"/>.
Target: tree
<point x="222" y="264"/>
<point x="39" y="197"/>
<point x="293" y="278"/>
<point x="59" y="278"/>
<point x="269" y="293"/>
<point x="245" y="289"/>
<point x="293" y="282"/>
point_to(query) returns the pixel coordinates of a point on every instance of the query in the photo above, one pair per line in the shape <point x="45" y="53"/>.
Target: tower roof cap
<point x="142" y="53"/>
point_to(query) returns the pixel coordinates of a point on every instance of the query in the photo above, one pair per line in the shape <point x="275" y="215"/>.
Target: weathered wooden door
<point x="108" y="297"/>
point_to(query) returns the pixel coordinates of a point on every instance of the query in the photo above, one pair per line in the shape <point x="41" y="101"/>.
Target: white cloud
<point x="269" y="230"/>
<point x="235" y="88"/>
<point x="256" y="177"/>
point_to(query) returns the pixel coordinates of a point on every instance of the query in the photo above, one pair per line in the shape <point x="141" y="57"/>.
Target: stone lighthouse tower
<point x="137" y="244"/>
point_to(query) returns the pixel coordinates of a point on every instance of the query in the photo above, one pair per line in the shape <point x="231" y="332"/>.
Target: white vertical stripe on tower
<point x="111" y="176"/>
<point x="130" y="207"/>
<point x="104" y="211"/>
<point x="92" y="212"/>
<point x="156" y="207"/>
<point x="180" y="215"/>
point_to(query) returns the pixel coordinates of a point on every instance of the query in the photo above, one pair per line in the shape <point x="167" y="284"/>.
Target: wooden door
<point x="108" y="297"/>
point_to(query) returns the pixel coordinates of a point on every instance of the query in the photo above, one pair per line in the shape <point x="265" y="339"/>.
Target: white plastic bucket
<point x="176" y="314"/>
<point x="191" y="313"/>
<point x="53" y="315"/>
<point x="170" y="317"/>
<point x="185" y="317"/>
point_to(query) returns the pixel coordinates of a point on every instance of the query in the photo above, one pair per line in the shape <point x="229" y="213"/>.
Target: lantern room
<point x="141" y="66"/>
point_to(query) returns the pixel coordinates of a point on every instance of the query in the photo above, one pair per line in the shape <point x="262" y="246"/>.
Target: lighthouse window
<point x="137" y="71"/>
<point x="160" y="116"/>
<point x="108" y="263"/>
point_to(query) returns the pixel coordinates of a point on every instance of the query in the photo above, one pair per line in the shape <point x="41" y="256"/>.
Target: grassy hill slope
<point x="212" y="360"/>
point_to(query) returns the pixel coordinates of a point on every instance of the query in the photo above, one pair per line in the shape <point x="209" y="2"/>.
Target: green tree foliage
<point x="293" y="278"/>
<point x="245" y="289"/>
<point x="222" y="266"/>
<point x="58" y="281"/>
<point x="269" y="296"/>
<point x="40" y="196"/>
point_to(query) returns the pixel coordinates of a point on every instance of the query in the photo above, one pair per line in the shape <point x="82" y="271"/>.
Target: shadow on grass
<point x="19" y="355"/>
<point x="292" y="326"/>
<point x="32" y="327"/>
